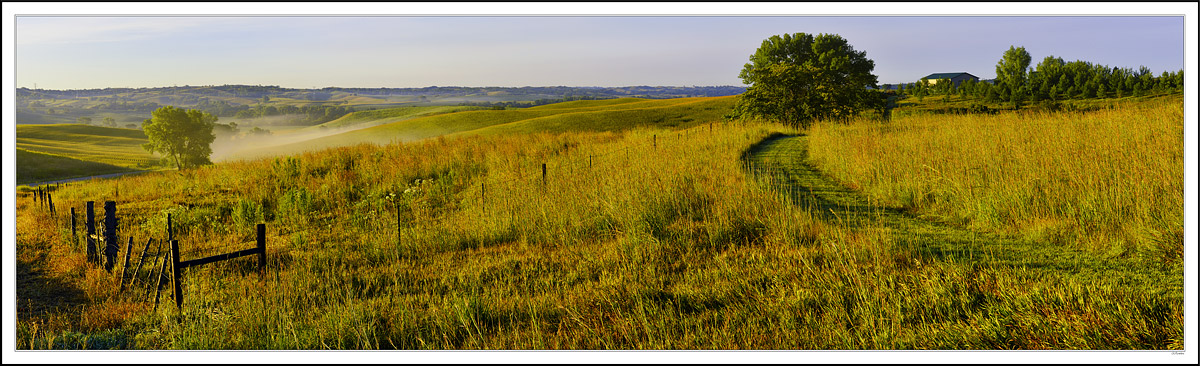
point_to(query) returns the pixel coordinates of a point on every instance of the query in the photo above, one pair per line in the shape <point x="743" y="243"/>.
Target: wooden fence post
<point x="161" y="273"/>
<point x="543" y="174"/>
<point x="655" y="137"/>
<point x="262" y="246"/>
<point x="175" y="280"/>
<point x="150" y="282"/>
<point x="50" y="201"/>
<point x="90" y="223"/>
<point x="125" y="267"/>
<point x="111" y="246"/>
<point x="170" y="232"/>
<point x="141" y="260"/>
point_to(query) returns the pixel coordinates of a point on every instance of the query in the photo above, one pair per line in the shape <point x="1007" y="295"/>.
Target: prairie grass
<point x="643" y="238"/>
<point x="1109" y="181"/>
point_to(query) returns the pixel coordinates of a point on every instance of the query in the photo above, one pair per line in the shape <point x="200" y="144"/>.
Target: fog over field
<point x="228" y="148"/>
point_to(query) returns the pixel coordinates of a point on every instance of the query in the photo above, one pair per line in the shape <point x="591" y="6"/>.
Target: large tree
<point x="1012" y="75"/>
<point x="185" y="136"/>
<point x="799" y="78"/>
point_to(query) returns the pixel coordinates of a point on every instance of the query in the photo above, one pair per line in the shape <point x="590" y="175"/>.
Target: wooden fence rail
<point x="178" y="266"/>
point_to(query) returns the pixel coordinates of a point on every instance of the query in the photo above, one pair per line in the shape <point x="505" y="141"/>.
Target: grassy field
<point x="91" y="149"/>
<point x="388" y="115"/>
<point x="742" y="236"/>
<point x="603" y="115"/>
<point x="1110" y="181"/>
<point x="35" y="167"/>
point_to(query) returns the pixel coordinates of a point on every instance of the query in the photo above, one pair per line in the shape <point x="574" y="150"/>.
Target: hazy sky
<point x="61" y="52"/>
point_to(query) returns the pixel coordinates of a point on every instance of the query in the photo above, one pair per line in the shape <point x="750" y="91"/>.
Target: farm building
<point x="955" y="77"/>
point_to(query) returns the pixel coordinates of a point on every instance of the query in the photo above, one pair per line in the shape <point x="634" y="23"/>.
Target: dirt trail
<point x="783" y="159"/>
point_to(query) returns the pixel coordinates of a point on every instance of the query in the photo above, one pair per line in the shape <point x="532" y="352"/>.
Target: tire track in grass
<point x="782" y="161"/>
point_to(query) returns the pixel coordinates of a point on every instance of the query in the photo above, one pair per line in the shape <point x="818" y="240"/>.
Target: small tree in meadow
<point x="185" y="136"/>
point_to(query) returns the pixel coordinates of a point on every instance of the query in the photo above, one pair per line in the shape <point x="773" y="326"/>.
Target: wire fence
<point x="150" y="260"/>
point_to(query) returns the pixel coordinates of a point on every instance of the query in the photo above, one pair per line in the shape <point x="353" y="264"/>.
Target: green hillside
<point x="680" y="113"/>
<point x="35" y="167"/>
<point x="111" y="146"/>
<point x="388" y="115"/>
<point x="596" y="115"/>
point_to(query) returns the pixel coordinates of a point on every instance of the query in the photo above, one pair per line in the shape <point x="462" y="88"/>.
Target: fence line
<point x="598" y="162"/>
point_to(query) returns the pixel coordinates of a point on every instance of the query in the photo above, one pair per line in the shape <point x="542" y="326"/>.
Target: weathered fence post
<point x="141" y="260"/>
<point x="125" y="267"/>
<point x="111" y="246"/>
<point x="262" y="246"/>
<point x="543" y="174"/>
<point x="50" y="201"/>
<point x="161" y="274"/>
<point x="175" y="280"/>
<point x="150" y="283"/>
<point x="90" y="222"/>
<point x="170" y="232"/>
<point x="655" y="137"/>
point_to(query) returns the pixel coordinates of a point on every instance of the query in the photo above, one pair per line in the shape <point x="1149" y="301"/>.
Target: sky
<point x="83" y="52"/>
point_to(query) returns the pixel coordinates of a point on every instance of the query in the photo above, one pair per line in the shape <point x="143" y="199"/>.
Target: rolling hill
<point x="598" y="115"/>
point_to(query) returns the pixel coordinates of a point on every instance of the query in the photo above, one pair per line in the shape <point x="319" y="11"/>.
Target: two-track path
<point x="783" y="160"/>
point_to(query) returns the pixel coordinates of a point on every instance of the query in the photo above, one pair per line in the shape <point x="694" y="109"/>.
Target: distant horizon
<point x="397" y="87"/>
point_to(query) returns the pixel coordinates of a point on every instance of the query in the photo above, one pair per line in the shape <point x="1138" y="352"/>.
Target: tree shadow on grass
<point x="41" y="296"/>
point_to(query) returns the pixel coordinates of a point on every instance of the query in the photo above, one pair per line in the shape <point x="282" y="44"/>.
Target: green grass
<point x="606" y="115"/>
<point x="106" y="147"/>
<point x="681" y="113"/>
<point x="388" y="115"/>
<point x="1010" y="291"/>
<point x="39" y="167"/>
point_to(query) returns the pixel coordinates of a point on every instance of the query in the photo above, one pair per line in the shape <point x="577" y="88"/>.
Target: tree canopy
<point x="798" y="78"/>
<point x="1012" y="76"/>
<point x="185" y="136"/>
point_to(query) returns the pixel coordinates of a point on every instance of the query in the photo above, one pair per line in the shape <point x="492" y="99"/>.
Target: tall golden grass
<point x="638" y="239"/>
<point x="1110" y="181"/>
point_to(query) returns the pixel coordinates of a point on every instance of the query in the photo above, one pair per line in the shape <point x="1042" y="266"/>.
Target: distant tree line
<point x="121" y="105"/>
<point x="526" y="104"/>
<point x="1053" y="79"/>
<point x="303" y="115"/>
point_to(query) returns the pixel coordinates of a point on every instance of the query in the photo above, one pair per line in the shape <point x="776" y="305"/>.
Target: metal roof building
<point x="955" y="77"/>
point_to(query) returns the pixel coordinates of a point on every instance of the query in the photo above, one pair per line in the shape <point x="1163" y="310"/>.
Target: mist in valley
<point x="249" y="143"/>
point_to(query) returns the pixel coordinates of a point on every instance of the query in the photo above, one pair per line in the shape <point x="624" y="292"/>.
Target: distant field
<point x="35" y="167"/>
<point x="383" y="116"/>
<point x="597" y="115"/>
<point x="111" y="147"/>
<point x="672" y="113"/>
